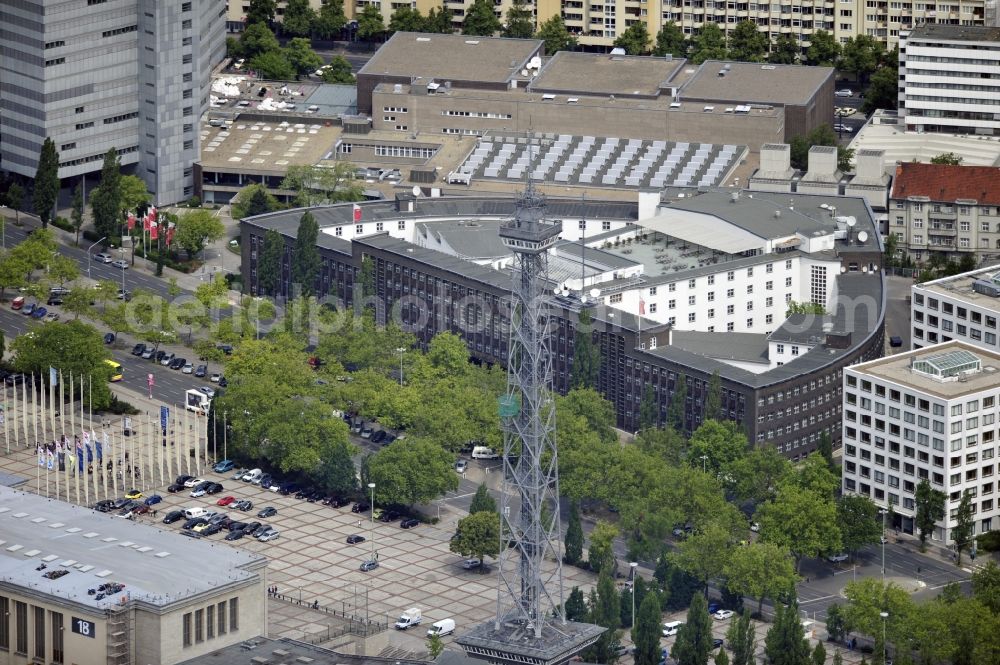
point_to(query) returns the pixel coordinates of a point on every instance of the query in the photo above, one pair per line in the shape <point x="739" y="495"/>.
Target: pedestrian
<point x="359" y="524"/>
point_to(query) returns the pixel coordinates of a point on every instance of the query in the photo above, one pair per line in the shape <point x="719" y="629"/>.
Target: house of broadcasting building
<point x="171" y="599"/>
<point x="684" y="282"/>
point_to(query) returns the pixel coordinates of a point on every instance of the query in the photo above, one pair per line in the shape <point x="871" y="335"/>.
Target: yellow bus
<point x="116" y="370"/>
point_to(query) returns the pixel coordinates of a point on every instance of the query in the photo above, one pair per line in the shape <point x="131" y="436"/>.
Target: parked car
<point x="895" y="341"/>
<point x="177" y="363"/>
<point x="40" y="313"/>
<point x="243" y="504"/>
<point x="339" y="501"/>
<point x="193" y="522"/>
<point x="121" y="264"/>
<point x="212" y="529"/>
<point x="224" y="466"/>
<point x="208" y="390"/>
<point x="166" y="358"/>
<point x="173" y="516"/>
<point x="840" y="127"/>
<point x="148" y="353"/>
<point x="188" y="368"/>
<point x="409" y="523"/>
<point x="222" y="382"/>
<point x="17" y="303"/>
<point x="199" y="492"/>
<point x="104" y="506"/>
<point x="235" y="535"/>
<point x="379" y="436"/>
<point x="388" y="516"/>
<point x="109" y="338"/>
<point x="52" y="316"/>
<point x="366" y="432"/>
<point x="360" y="507"/>
<point x="355" y="539"/>
<point x="470" y="564"/>
<point x="461" y="466"/>
<point x="722" y="615"/>
<point x="200" y="371"/>
<point x="369" y="564"/>
<point x="269" y="511"/>
<point x="844" y="92"/>
<point x="103" y="257"/>
<point x="237" y="526"/>
<point x="214" y="378"/>
<point x="837" y="557"/>
<point x="138" y="349"/>
<point x="173" y="488"/>
<point x="268" y="535"/>
<point x="225" y="501"/>
<point x="191" y="482"/>
<point x="28" y="309"/>
<point x="133" y="494"/>
<point x="54" y="300"/>
<point x="153" y="500"/>
<point x="288" y="488"/>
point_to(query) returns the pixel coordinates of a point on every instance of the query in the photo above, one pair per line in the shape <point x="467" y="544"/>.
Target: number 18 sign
<point x="84" y="627"/>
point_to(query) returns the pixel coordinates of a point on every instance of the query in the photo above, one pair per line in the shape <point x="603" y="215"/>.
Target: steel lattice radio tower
<point x="530" y="621"/>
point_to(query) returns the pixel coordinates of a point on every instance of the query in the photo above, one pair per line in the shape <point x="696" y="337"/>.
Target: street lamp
<point x="704" y="461"/>
<point x="89" y="257"/>
<point x="3" y="226"/>
<point x="884" y="615"/>
<point x="400" y="350"/>
<point x="883" y="512"/>
<point x="371" y="531"/>
<point x="632" y="566"/>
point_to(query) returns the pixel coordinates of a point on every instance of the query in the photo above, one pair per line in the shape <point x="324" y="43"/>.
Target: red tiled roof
<point x="946" y="182"/>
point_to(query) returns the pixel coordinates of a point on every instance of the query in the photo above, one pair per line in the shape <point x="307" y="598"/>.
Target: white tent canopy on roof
<point x="703" y="230"/>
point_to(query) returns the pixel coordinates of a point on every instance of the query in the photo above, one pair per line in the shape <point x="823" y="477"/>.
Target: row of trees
<point x="299" y="19"/>
<point x="265" y="55"/>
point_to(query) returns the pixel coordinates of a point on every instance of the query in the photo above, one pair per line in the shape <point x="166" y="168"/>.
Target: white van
<point x="197" y="511"/>
<point x="671" y="628"/>
<point x="482" y="452"/>
<point x="442" y="628"/>
<point x="253" y="476"/>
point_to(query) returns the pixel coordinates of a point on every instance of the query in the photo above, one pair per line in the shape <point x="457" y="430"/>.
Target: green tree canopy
<point x="330" y="19"/>
<point x="339" y="70"/>
<point x="260" y="11"/>
<point x="439" y="21"/>
<point x="634" y="39"/>
<point x="670" y="40"/>
<point x="586" y="359"/>
<point x="196" y="228"/>
<point x="747" y="43"/>
<point x="785" y="51"/>
<point x="601" y="555"/>
<point x="481" y="19"/>
<point x="555" y="35"/>
<point x="300" y="55"/>
<point x="760" y="570"/>
<point x="883" y="90"/>
<point x="709" y="44"/>
<point x="254" y="199"/>
<point x="694" y="639"/>
<point x="105" y="200"/>
<point x="412" y="471"/>
<point x="965" y="526"/>
<point x="573" y="549"/>
<point x="859" y="522"/>
<point x="371" y="24"/>
<point x="785" y="642"/>
<point x="46" y="187"/>
<point x="801" y="520"/>
<point x="269" y="265"/>
<point x="406" y="19"/>
<point x="478" y="535"/>
<point x="305" y="256"/>
<point x="741" y="638"/>
<point x="930" y="504"/>
<point x="72" y="347"/>
<point x="520" y="21"/>
<point x="677" y="409"/>
<point x="298" y="18"/>
<point x="258" y="39"/>
<point x="646" y="631"/>
<point x="273" y="65"/>
<point x="861" y="55"/>
<point x="822" y="135"/>
<point x="482" y="501"/>
<point x="824" y="50"/>
<point x="721" y="443"/>
<point x="76" y="211"/>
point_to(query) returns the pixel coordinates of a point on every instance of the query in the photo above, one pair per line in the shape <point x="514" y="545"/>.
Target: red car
<point x="225" y="501"/>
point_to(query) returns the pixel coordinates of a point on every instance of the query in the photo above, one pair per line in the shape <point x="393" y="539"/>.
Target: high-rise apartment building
<point x="133" y="75"/>
<point x="949" y="79"/>
<point x="924" y="415"/>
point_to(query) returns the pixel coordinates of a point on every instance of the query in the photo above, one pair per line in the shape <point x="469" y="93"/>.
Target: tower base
<point x="515" y="642"/>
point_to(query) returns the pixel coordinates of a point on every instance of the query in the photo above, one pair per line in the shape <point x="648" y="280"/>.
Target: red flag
<point x="145" y="223"/>
<point x="357" y="213"/>
<point x="152" y="213"/>
<point x="642" y="306"/>
<point x="170" y="234"/>
<point x="131" y="221"/>
<point x="154" y="231"/>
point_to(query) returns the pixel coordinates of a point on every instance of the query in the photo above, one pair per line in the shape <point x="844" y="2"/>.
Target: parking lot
<point x="311" y="559"/>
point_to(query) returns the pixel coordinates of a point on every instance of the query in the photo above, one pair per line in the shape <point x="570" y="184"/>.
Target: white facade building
<point x="928" y="414"/>
<point x="93" y="75"/>
<point x="962" y="307"/>
<point x="949" y="79"/>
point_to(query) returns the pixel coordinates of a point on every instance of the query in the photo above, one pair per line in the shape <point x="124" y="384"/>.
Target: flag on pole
<point x="642" y="306"/>
<point x="170" y="234"/>
<point x="357" y="213"/>
<point x="146" y="223"/>
<point x="53" y="377"/>
<point x="131" y="221"/>
<point x="154" y="231"/>
<point x="51" y="462"/>
<point x="152" y="213"/>
<point x="97" y="445"/>
<point x="79" y="456"/>
<point x="41" y="455"/>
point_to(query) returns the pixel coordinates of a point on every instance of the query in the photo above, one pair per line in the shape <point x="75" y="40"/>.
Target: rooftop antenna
<point x="583" y="247"/>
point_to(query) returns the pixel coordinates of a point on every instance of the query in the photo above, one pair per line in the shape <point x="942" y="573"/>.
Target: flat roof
<point x="743" y="347"/>
<point x="959" y="287"/>
<point x="603" y="74"/>
<point x="256" y="147"/>
<point x="898" y="145"/>
<point x="289" y="651"/>
<point x="897" y="369"/>
<point x="451" y="57"/>
<point x="962" y="33"/>
<point x="751" y="82"/>
<point x="154" y="565"/>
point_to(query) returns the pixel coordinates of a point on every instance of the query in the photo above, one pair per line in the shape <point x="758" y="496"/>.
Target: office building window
<point x="187" y="629"/>
<point x="234" y="614"/>
<point x="21" y="627"/>
<point x="199" y="626"/>
<point x="39" y="621"/>
<point x="4" y="623"/>
<point x="58" y="653"/>
<point x="210" y="621"/>
<point x="221" y="614"/>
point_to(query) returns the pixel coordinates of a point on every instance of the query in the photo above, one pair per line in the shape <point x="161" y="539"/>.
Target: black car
<point x="339" y="501"/>
<point x="158" y="356"/>
<point x="54" y="300"/>
<point x="265" y="481"/>
<point x="315" y="495"/>
<point x="222" y="382"/>
<point x="175" y="488"/>
<point x="270" y="511"/>
<point x="109" y="338"/>
<point x="388" y="516"/>
<point x="409" y="523"/>
<point x="235" y="535"/>
<point x="250" y="528"/>
<point x="180" y="480"/>
<point x="15" y="379"/>
<point x="389" y="438"/>
<point x="120" y="503"/>
<point x="225" y="348"/>
<point x="214" y="488"/>
<point x="173" y="516"/>
<point x="200" y="371"/>
<point x="177" y="363"/>
<point x="193" y="522"/>
<point x="379" y="436"/>
<point x="716" y="643"/>
<point x="212" y="529"/>
<point x="104" y="506"/>
<point x="355" y="539"/>
<point x="360" y="507"/>
<point x="237" y="526"/>
<point x="138" y="349"/>
<point x="289" y="488"/>
<point x="303" y="493"/>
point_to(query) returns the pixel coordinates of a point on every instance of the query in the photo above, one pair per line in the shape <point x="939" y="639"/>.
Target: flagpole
<point x="176" y="425"/>
<point x="133" y="436"/>
<point x="24" y="410"/>
<point x="115" y="467"/>
<point x="161" y="447"/>
<point x="187" y="441"/>
<point x="6" y="417"/>
<point x="83" y="452"/>
<point x="62" y="427"/>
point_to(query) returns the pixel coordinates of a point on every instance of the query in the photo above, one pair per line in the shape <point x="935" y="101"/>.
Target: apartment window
<point x="615" y="298"/>
<point x="67" y="146"/>
<point x="186" y="59"/>
<point x="652" y="308"/>
<point x="359" y="228"/>
<point x="186" y="7"/>
<point x="4" y="623"/>
<point x="186" y="629"/>
<point x="234" y="614"/>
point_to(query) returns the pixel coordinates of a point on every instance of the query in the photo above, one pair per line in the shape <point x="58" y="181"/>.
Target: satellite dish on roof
<point x="863" y="237"/>
<point x="851" y="221"/>
<point x="594" y="293"/>
<point x="416" y="190"/>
